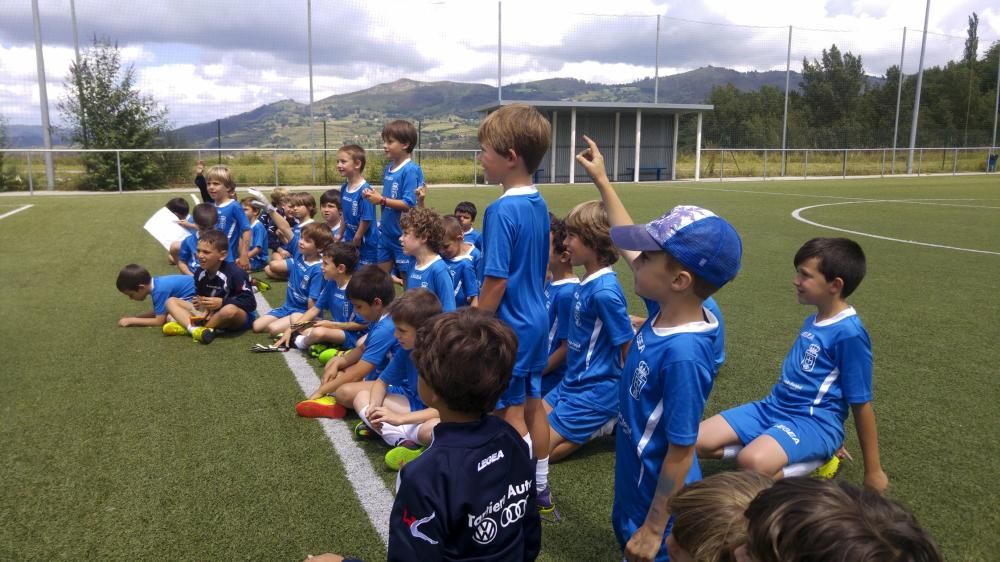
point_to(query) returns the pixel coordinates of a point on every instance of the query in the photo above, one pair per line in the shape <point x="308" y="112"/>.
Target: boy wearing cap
<point x="679" y="260"/>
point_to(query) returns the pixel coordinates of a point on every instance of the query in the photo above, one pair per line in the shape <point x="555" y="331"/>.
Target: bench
<point x="658" y="170"/>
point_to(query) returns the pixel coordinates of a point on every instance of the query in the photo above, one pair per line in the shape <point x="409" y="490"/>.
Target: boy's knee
<point x="758" y="460"/>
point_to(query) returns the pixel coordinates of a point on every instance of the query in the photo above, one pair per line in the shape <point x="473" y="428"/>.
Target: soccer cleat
<point x="828" y="470"/>
<point x="317" y="348"/>
<point x="322" y="407"/>
<point x="174" y="329"/>
<point x="547" y="506"/>
<point x="261" y="348"/>
<point x="363" y="432"/>
<point x="203" y="335"/>
<point x="405" y="453"/>
<point x="260" y="284"/>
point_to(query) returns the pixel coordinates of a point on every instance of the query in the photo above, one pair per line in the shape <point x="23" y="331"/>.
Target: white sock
<point x="800" y="468"/>
<point x="363" y="414"/>
<point x="527" y="439"/>
<point x="542" y="474"/>
<point x="190" y="329"/>
<point x="300" y="343"/>
<point x="730" y="451"/>
<point x="392" y="434"/>
<point x="411" y="431"/>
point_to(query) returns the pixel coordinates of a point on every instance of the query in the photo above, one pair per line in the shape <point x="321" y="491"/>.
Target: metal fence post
<point x="475" y="169"/>
<point x="844" y="171"/>
<point x="274" y="155"/>
<point x="920" y="163"/>
<point x="954" y="167"/>
<point x="881" y="171"/>
<point x="118" y="159"/>
<point x="765" y="163"/>
<point x="31" y="181"/>
<point x="722" y="164"/>
<point x="805" y="167"/>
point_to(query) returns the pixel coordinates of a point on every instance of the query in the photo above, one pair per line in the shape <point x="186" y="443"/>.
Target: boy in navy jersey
<point x="305" y="280"/>
<point x="559" y="290"/>
<point x="205" y="216"/>
<point x="514" y="140"/>
<point x="422" y="237"/>
<point x="465" y="212"/>
<point x="597" y="336"/>
<point x="827" y="372"/>
<point x="232" y="220"/>
<point x="360" y="227"/>
<point x="460" y="265"/>
<point x="224" y="299"/>
<point x="679" y="260"/>
<point x="137" y="284"/>
<point x="400" y="180"/>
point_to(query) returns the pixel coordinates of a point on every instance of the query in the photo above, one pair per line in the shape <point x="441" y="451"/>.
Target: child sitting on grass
<point x="562" y="285"/>
<point x="205" y="217"/>
<point x="463" y="272"/>
<point x="258" y="235"/>
<point x="421" y="240"/>
<point x="370" y="291"/>
<point x="224" y="299"/>
<point x="302" y="208"/>
<point x="137" y="284"/>
<point x="305" y="280"/>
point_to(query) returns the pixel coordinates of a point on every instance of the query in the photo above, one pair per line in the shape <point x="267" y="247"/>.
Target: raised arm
<point x="593" y="161"/>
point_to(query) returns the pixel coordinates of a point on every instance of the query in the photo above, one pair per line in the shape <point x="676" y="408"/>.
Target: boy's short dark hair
<point x="557" y="230"/>
<point x="588" y="221"/>
<point x="838" y="257"/>
<point x="826" y="521"/>
<point x="248" y="202"/>
<point x="519" y="127"/>
<point x="402" y="131"/>
<point x="415" y="307"/>
<point x="179" y="207"/>
<point x="424" y="223"/>
<point x="356" y="153"/>
<point x="303" y="199"/>
<point x="467" y="207"/>
<point x="205" y="216"/>
<point x="466" y="357"/>
<point x="319" y="234"/>
<point x="330" y="196"/>
<point x="131" y="276"/>
<point x="217" y="239"/>
<point x="342" y="253"/>
<point x="370" y="283"/>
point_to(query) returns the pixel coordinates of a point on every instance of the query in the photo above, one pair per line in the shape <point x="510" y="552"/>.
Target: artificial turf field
<point x="118" y="443"/>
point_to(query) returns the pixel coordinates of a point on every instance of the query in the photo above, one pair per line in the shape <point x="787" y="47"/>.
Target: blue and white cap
<point x="698" y="238"/>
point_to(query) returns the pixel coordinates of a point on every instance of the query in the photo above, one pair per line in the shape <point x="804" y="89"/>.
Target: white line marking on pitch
<point x="17" y="210"/>
<point x="797" y="215"/>
<point x="372" y="494"/>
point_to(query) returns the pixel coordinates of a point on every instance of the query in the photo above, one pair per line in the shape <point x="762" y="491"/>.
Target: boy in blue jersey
<point x="205" y="216"/>
<point x="223" y="299"/>
<point x="370" y="291"/>
<point x="399" y="184"/>
<point x="302" y="208"/>
<point x="137" y="284"/>
<point x="232" y="221"/>
<point x="330" y="210"/>
<point x="305" y="280"/>
<point x="461" y="267"/>
<point x="465" y="212"/>
<point x="513" y="141"/>
<point x="827" y="372"/>
<point x="422" y="237"/>
<point x="679" y="260"/>
<point x="360" y="228"/>
<point x="345" y="327"/>
<point x="559" y="290"/>
<point x="586" y="400"/>
<point x="258" y="235"/>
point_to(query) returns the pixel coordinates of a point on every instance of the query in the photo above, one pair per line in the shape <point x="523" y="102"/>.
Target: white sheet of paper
<point x="163" y="226"/>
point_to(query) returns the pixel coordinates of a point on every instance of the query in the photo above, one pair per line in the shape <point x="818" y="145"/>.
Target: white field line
<point x="797" y="215"/>
<point x="372" y="494"/>
<point x="17" y="210"/>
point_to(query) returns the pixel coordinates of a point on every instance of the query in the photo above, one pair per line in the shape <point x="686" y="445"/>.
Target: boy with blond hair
<point x="232" y="220"/>
<point x="513" y="141"/>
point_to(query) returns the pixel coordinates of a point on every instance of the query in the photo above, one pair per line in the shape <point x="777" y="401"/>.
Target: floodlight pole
<point x="43" y="97"/>
<point x="996" y="108"/>
<point x="309" y="38"/>
<point x="79" y="82"/>
<point x="916" y="101"/>
<point x="499" y="49"/>
<point x="656" y="80"/>
<point x="784" y="120"/>
<point x="899" y="96"/>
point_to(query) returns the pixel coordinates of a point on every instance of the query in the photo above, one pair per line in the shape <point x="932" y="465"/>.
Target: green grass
<point x="119" y="443"/>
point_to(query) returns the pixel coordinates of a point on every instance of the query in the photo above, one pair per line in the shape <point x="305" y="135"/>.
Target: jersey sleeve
<point x="469" y="283"/>
<point x="315" y="284"/>
<point x="380" y="342"/>
<point x="203" y="188"/>
<point x="408" y="186"/>
<point x="242" y="223"/>
<point x="185" y="254"/>
<point x="613" y="312"/>
<point x="499" y="244"/>
<point x="159" y="302"/>
<point x="854" y="359"/>
<point x="417" y="524"/>
<point x="684" y="401"/>
<point x="366" y="210"/>
<point x="259" y="238"/>
<point x="444" y="289"/>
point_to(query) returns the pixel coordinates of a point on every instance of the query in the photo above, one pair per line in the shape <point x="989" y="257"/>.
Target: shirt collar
<point x="599" y="273"/>
<point x="523" y="190"/>
<point x="846" y="313"/>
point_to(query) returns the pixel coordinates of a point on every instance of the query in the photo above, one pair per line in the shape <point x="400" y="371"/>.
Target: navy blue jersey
<point x="230" y="283"/>
<point x="166" y="286"/>
<point x="436" y="278"/>
<point x="399" y="183"/>
<point x="469" y="496"/>
<point x="233" y="223"/>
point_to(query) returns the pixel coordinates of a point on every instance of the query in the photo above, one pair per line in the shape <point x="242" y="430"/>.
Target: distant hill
<point x="28" y="136"/>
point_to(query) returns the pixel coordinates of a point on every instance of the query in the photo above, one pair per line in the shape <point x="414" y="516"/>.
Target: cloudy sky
<point x="205" y="59"/>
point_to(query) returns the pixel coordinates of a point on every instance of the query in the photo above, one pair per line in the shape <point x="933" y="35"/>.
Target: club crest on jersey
<point x="354" y="207"/>
<point x="640" y="343"/>
<point x="809" y="360"/>
<point x="639" y="378"/>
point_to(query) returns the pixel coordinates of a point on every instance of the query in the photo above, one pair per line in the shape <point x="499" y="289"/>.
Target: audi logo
<point x="513" y="512"/>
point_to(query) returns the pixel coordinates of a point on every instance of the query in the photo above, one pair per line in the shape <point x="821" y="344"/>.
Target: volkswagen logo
<point x="486" y="531"/>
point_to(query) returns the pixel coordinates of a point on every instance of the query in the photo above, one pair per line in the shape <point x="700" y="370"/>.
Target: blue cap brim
<point x="634" y="237"/>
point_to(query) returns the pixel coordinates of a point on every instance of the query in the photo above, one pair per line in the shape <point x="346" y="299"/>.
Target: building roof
<point x="601" y="106"/>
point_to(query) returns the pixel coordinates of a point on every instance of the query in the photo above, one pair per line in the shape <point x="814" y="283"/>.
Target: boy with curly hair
<point x="422" y="238"/>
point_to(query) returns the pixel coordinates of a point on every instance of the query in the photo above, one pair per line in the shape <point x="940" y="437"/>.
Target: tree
<point x="104" y="109"/>
<point x="969" y="59"/>
<point x="832" y="88"/>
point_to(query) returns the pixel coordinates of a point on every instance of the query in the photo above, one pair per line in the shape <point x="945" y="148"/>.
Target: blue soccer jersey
<point x="665" y="383"/>
<point x="166" y="286"/>
<point x="476" y="255"/>
<point x="258" y="239"/>
<point x="653" y="308"/>
<point x="463" y="277"/>
<point x="305" y="282"/>
<point x="233" y="223"/>
<point x="828" y="368"/>
<point x="436" y="278"/>
<point x="559" y="302"/>
<point x="400" y="375"/>
<point x="399" y="183"/>
<point x="188" y="253"/>
<point x="516" y="248"/>
<point x="599" y="326"/>
<point x="472" y="236"/>
<point x="380" y="345"/>
<point x="357" y="209"/>
<point x="292" y="246"/>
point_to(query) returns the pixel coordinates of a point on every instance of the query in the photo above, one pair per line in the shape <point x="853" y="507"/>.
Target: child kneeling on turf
<point x="586" y="399"/>
<point x="460" y="265"/>
<point x="305" y="280"/>
<point x="224" y="299"/>
<point x="827" y="372"/>
<point x="390" y="406"/>
<point x="137" y="284"/>
<point x="421" y="240"/>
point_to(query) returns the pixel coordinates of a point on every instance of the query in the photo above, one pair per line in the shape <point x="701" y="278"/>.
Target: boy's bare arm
<point x="359" y="236"/>
<point x="491" y="293"/>
<point x="183" y="267"/>
<point x="646" y="541"/>
<point x="593" y="161"/>
<point x="145" y="319"/>
<point x="557" y="358"/>
<point x="864" y="422"/>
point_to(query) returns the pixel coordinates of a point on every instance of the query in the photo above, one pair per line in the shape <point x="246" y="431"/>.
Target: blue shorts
<point x="575" y="420"/>
<point x="392" y="251"/>
<point x="284" y="310"/>
<point x="415" y="403"/>
<point x="515" y="393"/>
<point x="803" y="438"/>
